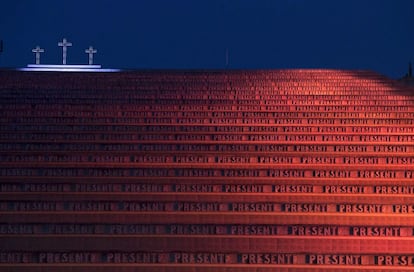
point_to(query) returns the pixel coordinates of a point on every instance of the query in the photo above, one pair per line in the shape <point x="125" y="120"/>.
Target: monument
<point x="37" y="52"/>
<point x="90" y="51"/>
<point x="64" y="44"/>
<point x="64" y="67"/>
<point x="225" y="170"/>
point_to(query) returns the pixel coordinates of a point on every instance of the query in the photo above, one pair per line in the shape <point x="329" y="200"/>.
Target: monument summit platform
<point x="235" y="170"/>
<point x="66" y="68"/>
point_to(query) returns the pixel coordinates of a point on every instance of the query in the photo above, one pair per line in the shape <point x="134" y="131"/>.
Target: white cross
<point x="65" y="44"/>
<point x="37" y="51"/>
<point x="90" y="51"/>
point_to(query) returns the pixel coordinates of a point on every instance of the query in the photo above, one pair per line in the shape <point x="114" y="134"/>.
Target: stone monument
<point x="259" y="170"/>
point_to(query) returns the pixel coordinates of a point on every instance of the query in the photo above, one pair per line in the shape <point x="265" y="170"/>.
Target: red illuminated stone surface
<point x="285" y="170"/>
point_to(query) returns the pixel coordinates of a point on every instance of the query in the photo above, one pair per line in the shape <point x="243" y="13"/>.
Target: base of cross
<point x="66" y="68"/>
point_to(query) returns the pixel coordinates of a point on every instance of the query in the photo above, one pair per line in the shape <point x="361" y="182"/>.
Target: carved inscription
<point x="313" y="230"/>
<point x="206" y="188"/>
<point x="394" y="260"/>
<point x="347" y="189"/>
<point x="200" y="258"/>
<point x="376" y="231"/>
<point x="209" y="156"/>
<point x="208" y="229"/>
<point x="73" y="257"/>
<point x="247" y="147"/>
<point x="138" y="257"/>
<point x="168" y="138"/>
<point x="304" y="207"/>
<point x="266" y="258"/>
<point x="206" y="258"/>
<point x="334" y="259"/>
<point x="182" y="206"/>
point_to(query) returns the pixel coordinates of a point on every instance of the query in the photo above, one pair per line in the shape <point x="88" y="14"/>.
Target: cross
<point x="65" y="44"/>
<point x="37" y="51"/>
<point x="90" y="51"/>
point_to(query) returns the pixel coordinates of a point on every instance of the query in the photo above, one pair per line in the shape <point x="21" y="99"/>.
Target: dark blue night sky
<point x="191" y="34"/>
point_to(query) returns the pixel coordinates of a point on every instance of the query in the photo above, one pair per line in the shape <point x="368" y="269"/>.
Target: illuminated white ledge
<point x="66" y="68"/>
